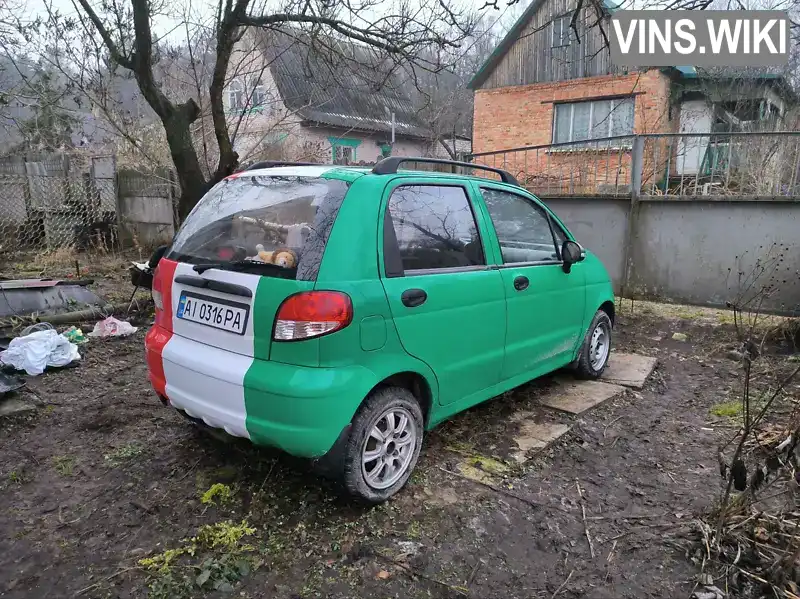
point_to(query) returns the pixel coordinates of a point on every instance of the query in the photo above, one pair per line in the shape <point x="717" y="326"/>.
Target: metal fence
<point x="55" y="201"/>
<point x="72" y="200"/>
<point x="674" y="165"/>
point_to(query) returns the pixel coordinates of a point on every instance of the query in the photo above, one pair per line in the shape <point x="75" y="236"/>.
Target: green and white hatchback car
<point x="338" y="313"/>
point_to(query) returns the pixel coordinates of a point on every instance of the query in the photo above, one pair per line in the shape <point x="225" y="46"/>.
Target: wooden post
<point x="637" y="166"/>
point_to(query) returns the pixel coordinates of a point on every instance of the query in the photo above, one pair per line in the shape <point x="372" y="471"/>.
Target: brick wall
<point x="522" y="115"/>
<point x="513" y="117"/>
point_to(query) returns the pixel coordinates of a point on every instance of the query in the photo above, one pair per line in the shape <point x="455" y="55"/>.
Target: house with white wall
<point x="724" y="101"/>
<point x="291" y="97"/>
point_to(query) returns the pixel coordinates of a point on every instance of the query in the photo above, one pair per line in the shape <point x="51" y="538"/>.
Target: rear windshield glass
<point x="274" y="226"/>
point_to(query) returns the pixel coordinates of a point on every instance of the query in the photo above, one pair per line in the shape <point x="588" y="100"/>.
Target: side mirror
<point x="156" y="257"/>
<point x="571" y="253"/>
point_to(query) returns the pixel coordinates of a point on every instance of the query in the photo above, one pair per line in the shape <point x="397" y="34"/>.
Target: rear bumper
<point x="297" y="409"/>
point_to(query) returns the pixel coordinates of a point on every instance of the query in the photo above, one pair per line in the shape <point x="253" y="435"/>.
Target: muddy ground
<point x="105" y="493"/>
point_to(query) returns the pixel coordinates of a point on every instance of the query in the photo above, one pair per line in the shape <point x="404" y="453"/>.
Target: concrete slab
<point x="578" y="396"/>
<point x="11" y="406"/>
<point x="630" y="370"/>
<point x="536" y="435"/>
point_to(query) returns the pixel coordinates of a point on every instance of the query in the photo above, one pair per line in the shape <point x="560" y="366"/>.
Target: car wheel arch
<point x="608" y="308"/>
<point x="417" y="384"/>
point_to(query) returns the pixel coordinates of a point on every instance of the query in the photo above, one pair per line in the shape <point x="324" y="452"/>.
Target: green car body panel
<point x="474" y="337"/>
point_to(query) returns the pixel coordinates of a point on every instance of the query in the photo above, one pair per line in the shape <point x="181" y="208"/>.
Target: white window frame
<point x="614" y="105"/>
<point x="347" y="160"/>
<point x="259" y="95"/>
<point x="560" y="23"/>
<point x="236" y="88"/>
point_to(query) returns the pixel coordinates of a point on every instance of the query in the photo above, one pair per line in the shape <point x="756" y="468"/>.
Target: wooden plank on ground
<point x="576" y="397"/>
<point x="536" y="435"/>
<point x="630" y="370"/>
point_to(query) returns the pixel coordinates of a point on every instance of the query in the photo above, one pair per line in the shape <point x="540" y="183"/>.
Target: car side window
<point x="523" y="228"/>
<point x="434" y="228"/>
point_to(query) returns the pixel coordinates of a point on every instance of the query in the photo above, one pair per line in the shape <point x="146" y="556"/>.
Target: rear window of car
<point x="268" y="225"/>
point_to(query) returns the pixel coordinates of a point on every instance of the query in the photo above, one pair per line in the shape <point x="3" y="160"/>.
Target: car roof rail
<point x="276" y="163"/>
<point x="389" y="166"/>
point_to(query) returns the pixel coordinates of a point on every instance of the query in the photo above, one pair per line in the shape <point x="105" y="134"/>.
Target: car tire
<point x="596" y="348"/>
<point x="364" y="452"/>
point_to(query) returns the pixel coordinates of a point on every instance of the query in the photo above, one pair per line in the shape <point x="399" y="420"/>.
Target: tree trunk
<point x="192" y="180"/>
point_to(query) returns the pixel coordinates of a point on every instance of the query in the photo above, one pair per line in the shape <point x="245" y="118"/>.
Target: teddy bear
<point x="284" y="257"/>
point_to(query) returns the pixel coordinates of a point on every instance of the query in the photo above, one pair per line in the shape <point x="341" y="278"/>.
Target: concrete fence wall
<point x="146" y="207"/>
<point x="703" y="252"/>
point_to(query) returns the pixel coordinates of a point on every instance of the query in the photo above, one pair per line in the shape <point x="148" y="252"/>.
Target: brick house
<point x="542" y="86"/>
<point x="293" y="99"/>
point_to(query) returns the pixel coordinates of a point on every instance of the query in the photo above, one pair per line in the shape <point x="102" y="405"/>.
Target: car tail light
<point x="312" y="314"/>
<point x="158" y="300"/>
<point x="158" y="297"/>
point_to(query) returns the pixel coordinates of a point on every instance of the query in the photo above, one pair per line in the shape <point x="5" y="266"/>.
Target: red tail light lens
<point x="312" y="314"/>
<point x="158" y="297"/>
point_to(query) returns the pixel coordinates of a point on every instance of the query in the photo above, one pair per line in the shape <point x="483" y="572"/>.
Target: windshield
<point x="275" y="226"/>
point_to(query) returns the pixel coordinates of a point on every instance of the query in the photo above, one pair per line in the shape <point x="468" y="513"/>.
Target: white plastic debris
<point x="36" y="351"/>
<point x="142" y="266"/>
<point x="111" y="327"/>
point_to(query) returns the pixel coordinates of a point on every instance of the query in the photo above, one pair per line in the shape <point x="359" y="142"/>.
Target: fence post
<point x="174" y="198"/>
<point x="637" y="167"/>
<point x="123" y="234"/>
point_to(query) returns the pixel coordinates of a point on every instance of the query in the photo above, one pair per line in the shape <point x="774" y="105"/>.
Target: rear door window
<point x="267" y="225"/>
<point x="429" y="228"/>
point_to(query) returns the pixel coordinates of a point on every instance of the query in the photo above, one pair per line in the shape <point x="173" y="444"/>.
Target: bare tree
<point x="119" y="35"/>
<point x="444" y="102"/>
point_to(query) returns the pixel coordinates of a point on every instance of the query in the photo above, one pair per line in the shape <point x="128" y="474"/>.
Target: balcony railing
<point x="752" y="165"/>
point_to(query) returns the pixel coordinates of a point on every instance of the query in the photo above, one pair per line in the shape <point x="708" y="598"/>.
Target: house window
<point x="343" y="154"/>
<point x="560" y="32"/>
<point x="236" y="95"/>
<point x="343" y="149"/>
<point x="259" y="95"/>
<point x="579" y="121"/>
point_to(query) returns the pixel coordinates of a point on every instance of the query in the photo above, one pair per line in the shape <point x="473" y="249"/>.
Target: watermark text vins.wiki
<point x="700" y="38"/>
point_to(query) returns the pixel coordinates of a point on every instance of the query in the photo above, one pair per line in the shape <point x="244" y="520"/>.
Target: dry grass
<point x="698" y="314"/>
<point x="108" y="270"/>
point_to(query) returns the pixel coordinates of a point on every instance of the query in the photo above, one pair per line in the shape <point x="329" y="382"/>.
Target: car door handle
<point x="521" y="283"/>
<point x="413" y="297"/>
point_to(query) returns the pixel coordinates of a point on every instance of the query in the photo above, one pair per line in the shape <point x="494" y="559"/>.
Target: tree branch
<point x="375" y="37"/>
<point x="113" y="49"/>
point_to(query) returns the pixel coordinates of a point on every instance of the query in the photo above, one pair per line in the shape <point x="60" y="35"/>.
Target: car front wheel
<point x="596" y="348"/>
<point x="384" y="444"/>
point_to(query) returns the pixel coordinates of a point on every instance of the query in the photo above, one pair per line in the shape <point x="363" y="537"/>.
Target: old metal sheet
<point x="27" y="283"/>
<point x="45" y="299"/>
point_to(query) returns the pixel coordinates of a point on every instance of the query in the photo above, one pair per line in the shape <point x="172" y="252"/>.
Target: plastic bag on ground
<point x="111" y="327"/>
<point x="75" y="335"/>
<point x="36" y="351"/>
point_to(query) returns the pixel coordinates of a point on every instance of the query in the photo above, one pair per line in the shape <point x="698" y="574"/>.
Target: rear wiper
<point x="201" y="268"/>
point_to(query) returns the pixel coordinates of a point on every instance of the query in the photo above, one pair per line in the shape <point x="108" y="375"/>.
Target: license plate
<point x="214" y="312"/>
